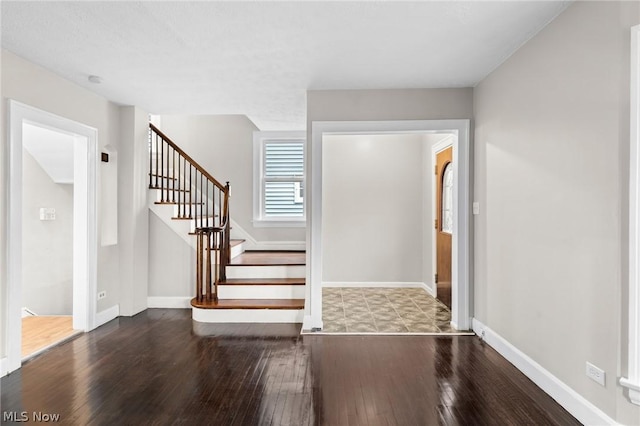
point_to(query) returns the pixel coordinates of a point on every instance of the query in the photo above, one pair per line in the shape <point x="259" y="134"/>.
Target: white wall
<point x="47" y="246"/>
<point x="551" y="161"/>
<point x="223" y="145"/>
<point x="133" y="209"/>
<point x="372" y="208"/>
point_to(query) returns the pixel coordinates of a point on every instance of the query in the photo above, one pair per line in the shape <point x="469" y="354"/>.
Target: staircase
<point x="231" y="284"/>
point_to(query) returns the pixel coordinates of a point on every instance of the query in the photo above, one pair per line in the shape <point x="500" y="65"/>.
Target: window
<point x="279" y="173"/>
<point x="446" y="215"/>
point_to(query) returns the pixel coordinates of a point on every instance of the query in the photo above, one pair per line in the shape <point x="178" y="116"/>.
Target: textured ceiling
<point x="260" y="58"/>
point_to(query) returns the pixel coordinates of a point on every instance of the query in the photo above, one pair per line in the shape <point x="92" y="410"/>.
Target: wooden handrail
<point x="200" y="197"/>
<point x="186" y="156"/>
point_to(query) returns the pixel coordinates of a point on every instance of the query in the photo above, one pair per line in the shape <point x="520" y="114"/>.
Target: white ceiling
<point x="260" y="58"/>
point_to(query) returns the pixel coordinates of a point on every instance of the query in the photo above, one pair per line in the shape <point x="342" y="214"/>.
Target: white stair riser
<point x="261" y="292"/>
<point x="285" y="271"/>
<point x="248" y="315"/>
<point x="237" y="250"/>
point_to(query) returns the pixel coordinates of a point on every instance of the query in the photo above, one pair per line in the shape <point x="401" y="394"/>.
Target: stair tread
<point x="263" y="281"/>
<point x="269" y="258"/>
<point x="234" y="243"/>
<point x="194" y="232"/>
<point x="175" y="203"/>
<point x="194" y="217"/>
<point x="162" y="177"/>
<point x="167" y="189"/>
<point x="249" y="304"/>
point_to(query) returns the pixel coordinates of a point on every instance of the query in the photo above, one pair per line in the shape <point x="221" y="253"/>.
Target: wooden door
<point x="444" y="224"/>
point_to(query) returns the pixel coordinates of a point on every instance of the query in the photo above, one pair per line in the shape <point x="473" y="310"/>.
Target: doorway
<point x="461" y="286"/>
<point x="84" y="274"/>
<point x="47" y="238"/>
<point x="443" y="223"/>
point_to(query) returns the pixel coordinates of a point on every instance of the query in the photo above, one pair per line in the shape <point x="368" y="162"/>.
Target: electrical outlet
<point x="102" y="295"/>
<point x="596" y="374"/>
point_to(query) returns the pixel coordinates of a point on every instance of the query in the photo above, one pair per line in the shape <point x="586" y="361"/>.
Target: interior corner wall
<point x="551" y="166"/>
<point x="373" y="208"/>
<point x="47" y="246"/>
<point x="32" y="85"/>
<point x="223" y="145"/>
<point x="133" y="209"/>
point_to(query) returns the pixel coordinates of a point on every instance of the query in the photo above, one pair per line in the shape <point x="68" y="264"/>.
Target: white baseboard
<point x="307" y="324"/>
<point x="248" y="315"/>
<point x="107" y="315"/>
<point x="3" y="367"/>
<point x="178" y="302"/>
<point x="380" y="284"/>
<point x="26" y="312"/>
<point x="572" y="401"/>
<point x="430" y="288"/>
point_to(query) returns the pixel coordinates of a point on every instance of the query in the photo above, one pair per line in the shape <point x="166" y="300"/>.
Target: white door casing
<point x="461" y="309"/>
<point x="85" y="235"/>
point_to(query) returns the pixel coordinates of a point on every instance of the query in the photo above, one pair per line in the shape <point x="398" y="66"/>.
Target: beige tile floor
<point x="383" y="310"/>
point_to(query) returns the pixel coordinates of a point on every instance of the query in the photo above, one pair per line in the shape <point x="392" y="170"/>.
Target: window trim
<point x="259" y="139"/>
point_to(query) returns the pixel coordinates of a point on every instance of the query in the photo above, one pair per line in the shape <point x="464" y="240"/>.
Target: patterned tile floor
<point x="383" y="310"/>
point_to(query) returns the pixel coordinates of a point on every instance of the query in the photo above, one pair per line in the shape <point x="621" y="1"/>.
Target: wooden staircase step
<point x="234" y="243"/>
<point x="154" y="175"/>
<point x="194" y="217"/>
<point x="269" y="258"/>
<point x="175" y="203"/>
<point x="194" y="233"/>
<point x="166" y="189"/>
<point x="263" y="281"/>
<point x="249" y="304"/>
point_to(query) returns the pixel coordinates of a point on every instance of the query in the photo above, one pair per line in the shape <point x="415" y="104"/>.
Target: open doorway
<point x="443" y="214"/>
<point x="378" y="203"/>
<point x="77" y="159"/>
<point x="460" y="283"/>
<point x="47" y="238"/>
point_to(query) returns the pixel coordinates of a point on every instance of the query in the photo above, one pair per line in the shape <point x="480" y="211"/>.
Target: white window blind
<point x="283" y="179"/>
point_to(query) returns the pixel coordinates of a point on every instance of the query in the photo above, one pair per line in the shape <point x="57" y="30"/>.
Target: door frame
<point x="461" y="244"/>
<point x="632" y="379"/>
<point x="85" y="229"/>
<point x="435" y="149"/>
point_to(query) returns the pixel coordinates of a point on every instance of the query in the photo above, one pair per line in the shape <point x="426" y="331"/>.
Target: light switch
<point x="47" y="213"/>
<point x="476" y="207"/>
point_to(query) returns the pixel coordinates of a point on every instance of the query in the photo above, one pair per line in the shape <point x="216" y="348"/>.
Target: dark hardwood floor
<point x="157" y="368"/>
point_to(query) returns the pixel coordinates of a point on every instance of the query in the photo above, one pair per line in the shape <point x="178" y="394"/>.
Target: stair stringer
<point x="165" y="212"/>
